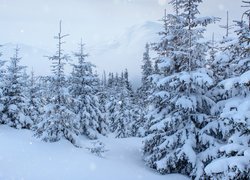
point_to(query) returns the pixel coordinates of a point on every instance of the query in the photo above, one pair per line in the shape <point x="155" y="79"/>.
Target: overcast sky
<point x="35" y="22"/>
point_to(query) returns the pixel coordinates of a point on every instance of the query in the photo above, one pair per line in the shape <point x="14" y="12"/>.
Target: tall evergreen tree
<point x="59" y="121"/>
<point x="103" y="98"/>
<point x="141" y="97"/>
<point x="122" y="118"/>
<point x="180" y="107"/>
<point x="15" y="102"/>
<point x="2" y="85"/>
<point x="35" y="100"/>
<point x="231" y="126"/>
<point x="111" y="101"/>
<point x="147" y="71"/>
<point x="124" y="110"/>
<point x="120" y="105"/>
<point x="84" y="89"/>
<point x="126" y="82"/>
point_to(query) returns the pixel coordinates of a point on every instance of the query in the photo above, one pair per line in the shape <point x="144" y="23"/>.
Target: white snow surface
<point x="23" y="157"/>
<point x="222" y="164"/>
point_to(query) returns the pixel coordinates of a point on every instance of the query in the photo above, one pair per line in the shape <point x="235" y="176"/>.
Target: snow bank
<point x="222" y="164"/>
<point x="24" y="157"/>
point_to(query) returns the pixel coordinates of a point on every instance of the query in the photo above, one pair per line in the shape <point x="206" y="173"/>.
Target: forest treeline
<point x="192" y="108"/>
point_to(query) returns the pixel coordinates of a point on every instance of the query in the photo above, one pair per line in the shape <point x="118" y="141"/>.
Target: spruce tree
<point x="124" y="110"/>
<point x="180" y="107"/>
<point x="2" y="85"/>
<point x="146" y="84"/>
<point x="84" y="90"/>
<point x="112" y="101"/>
<point x="58" y="120"/>
<point x="231" y="124"/>
<point x="141" y="96"/>
<point x="120" y="105"/>
<point x="122" y="118"/>
<point x="15" y="100"/>
<point x="35" y="100"/>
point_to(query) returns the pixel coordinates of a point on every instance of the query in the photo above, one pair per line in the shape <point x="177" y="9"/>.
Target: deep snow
<point x="23" y="157"/>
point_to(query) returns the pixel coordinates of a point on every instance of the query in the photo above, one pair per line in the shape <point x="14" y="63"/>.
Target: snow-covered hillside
<point x="23" y="157"/>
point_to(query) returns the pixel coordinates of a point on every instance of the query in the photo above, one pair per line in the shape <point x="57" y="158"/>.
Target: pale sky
<point x="35" y="22"/>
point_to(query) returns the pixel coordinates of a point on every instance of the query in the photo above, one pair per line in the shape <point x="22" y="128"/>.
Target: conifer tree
<point x="122" y="118"/>
<point x="84" y="89"/>
<point x="120" y="105"/>
<point x="231" y="124"/>
<point x="111" y="101"/>
<point x="147" y="71"/>
<point x="141" y="95"/>
<point x="223" y="61"/>
<point x="124" y="110"/>
<point x="180" y="107"/>
<point x="35" y="103"/>
<point x="58" y="121"/>
<point x="15" y="102"/>
<point x="2" y="85"/>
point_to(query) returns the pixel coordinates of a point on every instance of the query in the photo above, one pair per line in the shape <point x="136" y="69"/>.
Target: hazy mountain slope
<point x="126" y="51"/>
<point x="115" y="55"/>
<point x="31" y="56"/>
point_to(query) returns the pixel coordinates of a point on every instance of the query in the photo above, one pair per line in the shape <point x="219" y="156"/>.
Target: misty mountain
<point x="126" y="51"/>
<point x="32" y="57"/>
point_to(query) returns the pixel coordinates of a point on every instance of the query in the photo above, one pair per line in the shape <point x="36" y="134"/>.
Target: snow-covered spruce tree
<point x="180" y="108"/>
<point x="102" y="93"/>
<point x="142" y="93"/>
<point x="211" y="54"/>
<point x="110" y="101"/>
<point x="124" y="115"/>
<point x="135" y="112"/>
<point x="35" y="102"/>
<point x="25" y="82"/>
<point x="122" y="118"/>
<point x="243" y="31"/>
<point x="113" y="93"/>
<point x="44" y="93"/>
<point x="58" y="120"/>
<point x="232" y="128"/>
<point x="127" y="83"/>
<point x="15" y="102"/>
<point x="2" y="85"/>
<point x="138" y="120"/>
<point x="147" y="71"/>
<point x="84" y="89"/>
<point x="120" y="105"/>
<point x="227" y="56"/>
<point x="224" y="60"/>
<point x="102" y="97"/>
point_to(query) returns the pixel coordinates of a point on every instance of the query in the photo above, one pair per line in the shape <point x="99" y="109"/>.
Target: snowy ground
<point x="23" y="157"/>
